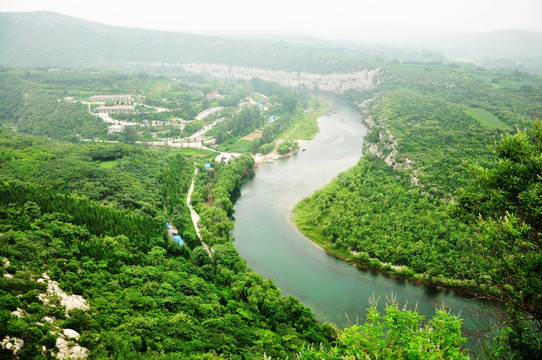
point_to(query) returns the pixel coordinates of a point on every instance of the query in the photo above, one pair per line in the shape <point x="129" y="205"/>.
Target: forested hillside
<point x="145" y="294"/>
<point x="88" y="266"/>
<point x="50" y="39"/>
<point x="448" y="193"/>
<point x="392" y="207"/>
<point x="394" y="211"/>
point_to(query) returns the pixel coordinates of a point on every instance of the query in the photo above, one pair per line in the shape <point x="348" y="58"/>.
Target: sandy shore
<point x="274" y="155"/>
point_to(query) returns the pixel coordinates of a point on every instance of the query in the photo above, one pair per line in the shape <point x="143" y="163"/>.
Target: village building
<point x="174" y="234"/>
<point x="243" y="104"/>
<point x="175" y="122"/>
<point x="126" y="99"/>
<point x="214" y="95"/>
<point x="115" y="129"/>
<point x="115" y="109"/>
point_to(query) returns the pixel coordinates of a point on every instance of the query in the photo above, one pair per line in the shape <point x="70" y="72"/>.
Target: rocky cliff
<point x="337" y="83"/>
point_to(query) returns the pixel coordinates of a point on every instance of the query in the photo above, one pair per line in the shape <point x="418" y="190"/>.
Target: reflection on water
<point x="272" y="246"/>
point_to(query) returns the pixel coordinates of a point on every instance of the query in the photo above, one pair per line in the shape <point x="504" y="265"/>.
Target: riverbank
<point x="332" y="287"/>
<point x="400" y="272"/>
<point x="302" y="130"/>
<point x="306" y="226"/>
<point x="305" y="127"/>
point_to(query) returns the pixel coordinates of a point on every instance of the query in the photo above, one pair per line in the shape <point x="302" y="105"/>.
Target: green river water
<point x="272" y="246"/>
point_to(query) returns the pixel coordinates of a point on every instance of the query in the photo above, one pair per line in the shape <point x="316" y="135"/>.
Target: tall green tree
<point x="505" y="205"/>
<point x="397" y="334"/>
<point x="130" y="135"/>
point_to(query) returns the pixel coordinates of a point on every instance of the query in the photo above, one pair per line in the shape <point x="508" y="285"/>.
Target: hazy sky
<point x="323" y="18"/>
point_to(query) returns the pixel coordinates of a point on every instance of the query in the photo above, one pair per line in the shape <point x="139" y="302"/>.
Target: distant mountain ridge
<point x="51" y="39"/>
<point x="46" y="38"/>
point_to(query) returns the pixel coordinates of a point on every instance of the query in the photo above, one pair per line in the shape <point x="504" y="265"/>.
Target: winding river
<point x="271" y="244"/>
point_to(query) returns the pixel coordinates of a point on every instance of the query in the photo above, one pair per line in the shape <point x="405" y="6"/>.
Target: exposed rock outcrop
<point x="12" y="344"/>
<point x="70" y="302"/>
<point x="66" y="342"/>
<point x="19" y="312"/>
<point x="386" y="149"/>
<point x="67" y="349"/>
<point x="337" y="83"/>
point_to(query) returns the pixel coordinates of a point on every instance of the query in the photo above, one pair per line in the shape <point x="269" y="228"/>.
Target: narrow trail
<point x="194" y="215"/>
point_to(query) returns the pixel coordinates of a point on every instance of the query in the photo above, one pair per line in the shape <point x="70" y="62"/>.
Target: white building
<point x="115" y="129"/>
<point x="126" y="99"/>
<point x="115" y="109"/>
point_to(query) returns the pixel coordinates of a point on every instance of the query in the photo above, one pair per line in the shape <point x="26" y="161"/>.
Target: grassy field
<point x="305" y="127"/>
<point x="486" y="119"/>
<point x="108" y="164"/>
<point x="256" y="134"/>
<point x="240" y="146"/>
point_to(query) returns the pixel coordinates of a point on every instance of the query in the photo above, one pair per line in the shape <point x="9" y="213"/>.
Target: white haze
<point x="366" y="20"/>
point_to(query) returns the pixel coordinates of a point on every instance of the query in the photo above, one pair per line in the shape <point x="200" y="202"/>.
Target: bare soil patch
<point x="256" y="134"/>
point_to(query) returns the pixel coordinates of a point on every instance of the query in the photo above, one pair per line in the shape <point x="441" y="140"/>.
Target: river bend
<point x="272" y="246"/>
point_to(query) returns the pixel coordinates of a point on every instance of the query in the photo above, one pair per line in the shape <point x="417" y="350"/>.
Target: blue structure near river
<point x="172" y="231"/>
<point x="178" y="239"/>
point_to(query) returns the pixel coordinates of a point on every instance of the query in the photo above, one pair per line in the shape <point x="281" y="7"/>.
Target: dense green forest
<point x="394" y="211"/>
<point x="142" y="302"/>
<point x="91" y="216"/>
<point x="392" y="208"/>
<point x="147" y="295"/>
<point x="447" y="193"/>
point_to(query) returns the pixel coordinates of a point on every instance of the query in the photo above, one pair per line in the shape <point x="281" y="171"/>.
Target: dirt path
<point x="194" y="215"/>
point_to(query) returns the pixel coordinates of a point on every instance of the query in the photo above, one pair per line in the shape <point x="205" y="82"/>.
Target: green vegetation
<point x="142" y="303"/>
<point x="91" y="215"/>
<point x="399" y="334"/>
<point x="305" y="124"/>
<point x="53" y="104"/>
<point x="283" y="114"/>
<point x="243" y="123"/>
<point x="240" y="146"/>
<point x="281" y="108"/>
<point x="353" y="213"/>
<point x="108" y="164"/>
<point x="148" y="297"/>
<point x="504" y="204"/>
<point x="221" y="185"/>
<point x="392" y="211"/>
<point x="33" y="102"/>
<point x="393" y="214"/>
<point x="486" y="119"/>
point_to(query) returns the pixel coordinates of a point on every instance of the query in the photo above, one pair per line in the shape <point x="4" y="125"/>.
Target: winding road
<point x="194" y="215"/>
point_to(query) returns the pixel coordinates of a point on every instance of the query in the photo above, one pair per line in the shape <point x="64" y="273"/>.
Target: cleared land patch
<point x="486" y="119"/>
<point x="108" y="164"/>
<point x="305" y="127"/>
<point x="256" y="134"/>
